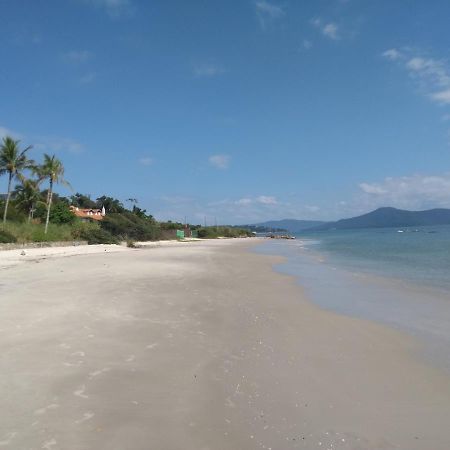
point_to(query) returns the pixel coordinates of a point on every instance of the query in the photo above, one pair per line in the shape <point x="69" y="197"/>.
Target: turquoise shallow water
<point x="420" y="255"/>
<point x="399" y="279"/>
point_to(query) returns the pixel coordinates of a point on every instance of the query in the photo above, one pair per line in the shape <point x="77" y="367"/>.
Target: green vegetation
<point x="13" y="162"/>
<point x="6" y="237"/>
<point x="34" y="215"/>
<point x="222" y="231"/>
<point x="51" y="169"/>
<point x="33" y="232"/>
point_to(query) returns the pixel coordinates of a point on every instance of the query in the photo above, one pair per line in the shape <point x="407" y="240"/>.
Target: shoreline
<point x="419" y="311"/>
<point x="202" y="346"/>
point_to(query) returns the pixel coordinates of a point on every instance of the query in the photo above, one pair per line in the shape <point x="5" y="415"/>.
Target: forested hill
<point x="390" y="217"/>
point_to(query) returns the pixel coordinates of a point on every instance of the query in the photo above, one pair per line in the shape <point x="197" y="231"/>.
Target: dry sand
<point x="200" y="346"/>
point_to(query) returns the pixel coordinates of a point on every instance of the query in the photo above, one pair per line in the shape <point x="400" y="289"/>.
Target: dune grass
<point x="30" y="232"/>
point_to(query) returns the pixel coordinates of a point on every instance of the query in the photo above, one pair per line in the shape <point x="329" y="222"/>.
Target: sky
<point x="235" y="111"/>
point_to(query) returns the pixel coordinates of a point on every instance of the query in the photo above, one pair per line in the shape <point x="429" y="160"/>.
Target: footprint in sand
<point x="47" y="445"/>
<point x="41" y="411"/>
<point x="86" y="416"/>
<point x="80" y="392"/>
<point x="96" y="373"/>
<point x="6" y="440"/>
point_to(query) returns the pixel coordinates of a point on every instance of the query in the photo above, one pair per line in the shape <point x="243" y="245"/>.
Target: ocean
<point x="399" y="277"/>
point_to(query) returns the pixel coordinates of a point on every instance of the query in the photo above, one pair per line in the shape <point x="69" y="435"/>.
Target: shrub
<point x="6" y="237"/>
<point x="222" y="231"/>
<point x="31" y="232"/>
<point x="92" y="233"/>
<point x="61" y="214"/>
<point x="129" y="226"/>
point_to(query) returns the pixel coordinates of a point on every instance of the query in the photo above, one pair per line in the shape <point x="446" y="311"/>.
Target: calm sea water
<point x="401" y="279"/>
<point x="420" y="255"/>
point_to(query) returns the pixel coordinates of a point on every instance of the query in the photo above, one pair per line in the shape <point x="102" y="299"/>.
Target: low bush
<point x="6" y="237"/>
<point x="128" y="226"/>
<point x="32" y="232"/>
<point x="222" y="231"/>
<point x="92" y="233"/>
<point x="61" y="214"/>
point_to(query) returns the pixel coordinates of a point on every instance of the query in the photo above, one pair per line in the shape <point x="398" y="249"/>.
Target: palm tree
<point x="28" y="196"/>
<point x="51" y="169"/>
<point x="12" y="161"/>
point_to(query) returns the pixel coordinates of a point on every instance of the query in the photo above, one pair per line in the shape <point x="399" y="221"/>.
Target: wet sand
<point x="200" y="346"/>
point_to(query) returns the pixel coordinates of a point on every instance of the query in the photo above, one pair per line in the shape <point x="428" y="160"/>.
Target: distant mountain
<point x="290" y="225"/>
<point x="390" y="217"/>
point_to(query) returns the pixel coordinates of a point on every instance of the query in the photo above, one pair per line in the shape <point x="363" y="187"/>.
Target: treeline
<point x="33" y="212"/>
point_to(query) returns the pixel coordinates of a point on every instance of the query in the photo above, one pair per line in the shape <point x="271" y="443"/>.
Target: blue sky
<point x="239" y="110"/>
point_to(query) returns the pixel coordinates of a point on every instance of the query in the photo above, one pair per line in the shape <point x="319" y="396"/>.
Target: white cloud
<point x="268" y="12"/>
<point x="331" y="30"/>
<point x="207" y="70"/>
<point x="266" y="200"/>
<point x="372" y="188"/>
<point x="442" y="97"/>
<point x="8" y="132"/>
<point x="146" y="161"/>
<point x="392" y="54"/>
<point x="45" y="143"/>
<point x="88" y="78"/>
<point x="432" y="75"/>
<point x="245" y="209"/>
<point x="312" y="208"/>
<point x="328" y="29"/>
<point x="244" y="201"/>
<point x="306" y="44"/>
<point x="114" y="8"/>
<point x="409" y="192"/>
<point x="56" y="144"/>
<point x="220" y="161"/>
<point x="77" y="56"/>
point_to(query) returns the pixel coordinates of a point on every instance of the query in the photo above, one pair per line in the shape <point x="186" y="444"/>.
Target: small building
<point x="87" y="214"/>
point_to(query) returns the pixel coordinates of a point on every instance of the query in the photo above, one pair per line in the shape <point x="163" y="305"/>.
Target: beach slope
<point x="201" y="346"/>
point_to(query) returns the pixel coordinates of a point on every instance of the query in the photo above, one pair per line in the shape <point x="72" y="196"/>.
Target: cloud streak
<point x="77" y="56"/>
<point x="432" y="75"/>
<point x="4" y="131"/>
<point x="207" y="70"/>
<point x="114" y="8"/>
<point x="268" y="12"/>
<point x="328" y="29"/>
<point x="221" y="162"/>
<point x="55" y="144"/>
<point x="145" y="161"/>
<point x="408" y="192"/>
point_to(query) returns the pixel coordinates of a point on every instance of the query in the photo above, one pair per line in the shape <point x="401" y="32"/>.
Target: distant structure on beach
<point x="87" y="214"/>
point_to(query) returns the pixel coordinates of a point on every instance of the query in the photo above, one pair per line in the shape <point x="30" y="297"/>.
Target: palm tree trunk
<point x="8" y="196"/>
<point x="49" y="205"/>
<point x="30" y="214"/>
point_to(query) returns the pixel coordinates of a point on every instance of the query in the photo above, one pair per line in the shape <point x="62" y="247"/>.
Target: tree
<point x="28" y="196"/>
<point x="13" y="162"/>
<point x="82" y="201"/>
<point x="112" y="205"/>
<point x="61" y="213"/>
<point x="51" y="169"/>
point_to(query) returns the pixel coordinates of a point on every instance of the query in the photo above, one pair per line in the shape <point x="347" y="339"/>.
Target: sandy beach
<point x="199" y="346"/>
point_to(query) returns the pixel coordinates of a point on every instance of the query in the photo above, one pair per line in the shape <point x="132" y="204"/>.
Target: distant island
<point x="389" y="217"/>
